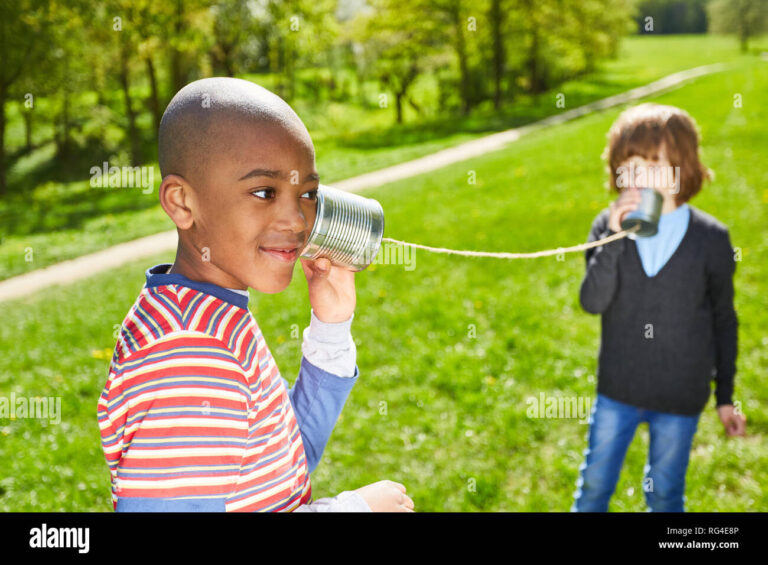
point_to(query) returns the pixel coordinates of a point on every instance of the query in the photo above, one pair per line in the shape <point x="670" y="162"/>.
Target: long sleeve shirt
<point x="195" y="414"/>
<point x="665" y="337"/>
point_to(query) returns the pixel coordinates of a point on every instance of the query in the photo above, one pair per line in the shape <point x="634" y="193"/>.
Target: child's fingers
<point x="323" y="264"/>
<point x="735" y="426"/>
<point x="625" y="209"/>
<point x="624" y="204"/>
<point x="319" y="267"/>
<point x="740" y="425"/>
<point x="408" y="503"/>
<point x="629" y="198"/>
<point x="399" y="487"/>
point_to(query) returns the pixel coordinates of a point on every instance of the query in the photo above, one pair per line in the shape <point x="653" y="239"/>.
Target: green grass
<point x="436" y="409"/>
<point x="58" y="216"/>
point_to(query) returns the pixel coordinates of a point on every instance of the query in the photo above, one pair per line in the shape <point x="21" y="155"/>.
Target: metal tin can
<point x="348" y="229"/>
<point x="646" y="215"/>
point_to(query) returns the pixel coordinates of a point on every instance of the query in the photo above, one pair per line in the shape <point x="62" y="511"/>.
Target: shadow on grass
<point x="482" y="121"/>
<point x="25" y="210"/>
<point x="523" y="110"/>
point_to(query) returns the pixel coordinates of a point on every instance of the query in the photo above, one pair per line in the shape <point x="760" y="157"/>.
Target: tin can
<point x="646" y="215"/>
<point x="348" y="229"/>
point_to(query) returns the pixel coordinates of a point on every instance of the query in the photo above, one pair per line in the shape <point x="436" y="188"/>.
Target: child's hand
<point x="331" y="290"/>
<point x="386" y="496"/>
<point x="627" y="201"/>
<point x="735" y="423"/>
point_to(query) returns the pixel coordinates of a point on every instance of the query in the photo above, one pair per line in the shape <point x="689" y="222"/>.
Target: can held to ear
<point x="348" y="229"/>
<point x="646" y="215"/>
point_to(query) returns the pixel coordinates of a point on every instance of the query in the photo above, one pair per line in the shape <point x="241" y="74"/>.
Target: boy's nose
<point x="292" y="218"/>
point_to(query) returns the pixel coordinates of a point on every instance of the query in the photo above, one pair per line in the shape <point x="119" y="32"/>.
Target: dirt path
<point x="87" y="265"/>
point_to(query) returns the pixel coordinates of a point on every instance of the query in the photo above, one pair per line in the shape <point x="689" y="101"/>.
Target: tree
<point x="23" y="43"/>
<point x="745" y="18"/>
<point x="397" y="38"/>
<point x="296" y="34"/>
<point x="496" y="19"/>
<point x="456" y="15"/>
<point x="232" y="24"/>
<point x="560" y="39"/>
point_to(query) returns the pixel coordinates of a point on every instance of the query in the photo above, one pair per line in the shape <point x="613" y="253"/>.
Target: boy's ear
<point x="175" y="198"/>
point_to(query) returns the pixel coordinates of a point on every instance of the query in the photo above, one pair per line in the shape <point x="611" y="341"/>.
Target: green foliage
<point x="350" y="138"/>
<point x="745" y="18"/>
<point x="135" y="54"/>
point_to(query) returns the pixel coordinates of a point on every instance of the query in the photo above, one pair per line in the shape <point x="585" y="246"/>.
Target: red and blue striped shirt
<point x="195" y="414"/>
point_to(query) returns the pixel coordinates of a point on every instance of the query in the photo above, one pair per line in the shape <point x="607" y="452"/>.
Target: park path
<point x="82" y="267"/>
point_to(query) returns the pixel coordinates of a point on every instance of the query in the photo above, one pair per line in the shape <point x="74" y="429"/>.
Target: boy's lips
<point x="285" y="254"/>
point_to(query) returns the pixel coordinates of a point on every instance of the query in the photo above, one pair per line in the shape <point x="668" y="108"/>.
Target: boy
<point x="194" y="414"/>
<point x="668" y="321"/>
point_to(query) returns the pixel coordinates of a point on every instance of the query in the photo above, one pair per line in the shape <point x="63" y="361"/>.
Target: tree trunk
<point x="743" y="25"/>
<point x="289" y="69"/>
<point x="461" y="52"/>
<point x="496" y="17"/>
<point x="399" y="106"/>
<point x="154" y="98"/>
<point x="133" y="132"/>
<point x="278" y="66"/>
<point x="3" y="96"/>
<point x="27" y="116"/>
<point x="338" y="86"/>
<point x="63" y="142"/>
<point x="533" y="63"/>
<point x="177" y="80"/>
<point x="415" y="106"/>
<point x="532" y="56"/>
<point x="229" y="66"/>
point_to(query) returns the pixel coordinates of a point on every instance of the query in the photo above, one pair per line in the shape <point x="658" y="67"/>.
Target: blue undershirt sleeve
<point x="317" y="398"/>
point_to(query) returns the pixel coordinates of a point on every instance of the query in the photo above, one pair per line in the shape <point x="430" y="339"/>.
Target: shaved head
<point x="204" y="117"/>
<point x="239" y="182"/>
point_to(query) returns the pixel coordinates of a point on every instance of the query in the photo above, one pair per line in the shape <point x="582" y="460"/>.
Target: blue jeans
<point x="612" y="426"/>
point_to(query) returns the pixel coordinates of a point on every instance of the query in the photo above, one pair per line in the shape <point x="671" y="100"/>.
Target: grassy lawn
<point x="449" y="351"/>
<point x="58" y="216"/>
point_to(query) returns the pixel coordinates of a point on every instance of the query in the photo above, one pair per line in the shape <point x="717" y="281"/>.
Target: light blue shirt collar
<point x="656" y="250"/>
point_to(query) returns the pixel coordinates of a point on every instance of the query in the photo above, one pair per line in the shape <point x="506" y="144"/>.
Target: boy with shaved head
<point x="195" y="415"/>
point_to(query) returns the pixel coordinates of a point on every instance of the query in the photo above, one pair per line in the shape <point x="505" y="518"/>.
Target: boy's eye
<point x="310" y="194"/>
<point x="264" y="193"/>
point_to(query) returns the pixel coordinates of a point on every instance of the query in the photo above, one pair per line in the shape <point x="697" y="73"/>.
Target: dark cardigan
<point x="664" y="338"/>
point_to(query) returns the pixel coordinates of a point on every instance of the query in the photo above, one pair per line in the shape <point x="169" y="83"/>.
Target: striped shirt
<point x="194" y="410"/>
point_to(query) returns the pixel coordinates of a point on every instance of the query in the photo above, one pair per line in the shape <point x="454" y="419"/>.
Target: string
<point x="501" y="255"/>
